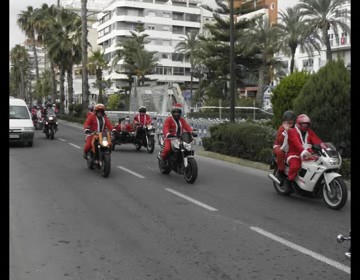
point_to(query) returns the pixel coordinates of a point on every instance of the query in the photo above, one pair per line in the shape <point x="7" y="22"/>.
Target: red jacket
<point x="93" y="123"/>
<point x="280" y="136"/>
<point x="142" y="119"/>
<point x="297" y="145"/>
<point x="170" y="126"/>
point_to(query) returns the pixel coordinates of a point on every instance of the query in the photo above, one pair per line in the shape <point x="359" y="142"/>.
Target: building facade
<point x="166" y="23"/>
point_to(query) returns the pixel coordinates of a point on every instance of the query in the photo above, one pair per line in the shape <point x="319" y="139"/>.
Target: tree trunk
<point x="70" y="85"/>
<point x="62" y="94"/>
<point x="292" y="61"/>
<point x="53" y="81"/>
<point x="263" y="80"/>
<point x="84" y="53"/>
<point x="35" y="59"/>
<point x="327" y="44"/>
<point x="99" y="82"/>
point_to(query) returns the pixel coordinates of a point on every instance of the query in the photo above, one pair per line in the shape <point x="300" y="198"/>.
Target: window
<point x="179" y="71"/>
<point x="308" y="64"/>
<point x="151" y="27"/>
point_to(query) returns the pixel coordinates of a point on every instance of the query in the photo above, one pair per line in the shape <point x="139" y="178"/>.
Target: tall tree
<point x="19" y="60"/>
<point x="295" y="33"/>
<point x="84" y="55"/>
<point x="97" y="63"/>
<point x="26" y="23"/>
<point x="321" y="16"/>
<point x="45" y="18"/>
<point x="188" y="47"/>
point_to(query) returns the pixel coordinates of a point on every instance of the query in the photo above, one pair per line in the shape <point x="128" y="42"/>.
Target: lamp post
<point x="232" y="66"/>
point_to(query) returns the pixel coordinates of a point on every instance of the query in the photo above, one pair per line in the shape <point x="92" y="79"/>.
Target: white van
<point x="21" y="126"/>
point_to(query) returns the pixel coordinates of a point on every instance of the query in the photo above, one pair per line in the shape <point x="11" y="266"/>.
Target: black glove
<point x="87" y="131"/>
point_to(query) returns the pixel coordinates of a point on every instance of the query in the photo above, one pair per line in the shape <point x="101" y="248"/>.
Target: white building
<point x="166" y="22"/>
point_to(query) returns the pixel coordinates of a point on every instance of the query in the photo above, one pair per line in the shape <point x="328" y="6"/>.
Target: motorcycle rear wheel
<point x="191" y="171"/>
<point x="280" y="188"/>
<point x="106" y="165"/>
<point x="337" y="198"/>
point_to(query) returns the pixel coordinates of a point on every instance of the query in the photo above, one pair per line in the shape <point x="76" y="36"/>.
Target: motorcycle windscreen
<point x="187" y="138"/>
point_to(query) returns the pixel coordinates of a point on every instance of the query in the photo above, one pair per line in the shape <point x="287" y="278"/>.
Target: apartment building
<point x="166" y="23"/>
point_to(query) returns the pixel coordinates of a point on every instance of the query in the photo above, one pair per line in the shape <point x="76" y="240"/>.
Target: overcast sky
<point x="16" y="6"/>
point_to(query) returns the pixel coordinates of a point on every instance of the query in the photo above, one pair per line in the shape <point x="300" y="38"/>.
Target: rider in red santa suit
<point x="174" y="125"/>
<point x="95" y="122"/>
<point x="300" y="140"/>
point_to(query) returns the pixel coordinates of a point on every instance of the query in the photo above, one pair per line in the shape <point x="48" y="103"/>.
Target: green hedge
<point x="251" y="141"/>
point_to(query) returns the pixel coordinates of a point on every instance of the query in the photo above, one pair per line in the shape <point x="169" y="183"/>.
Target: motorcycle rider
<point x="96" y="122"/>
<point x="300" y="140"/>
<point x="49" y="111"/>
<point x="280" y="146"/>
<point x="91" y="110"/>
<point x="141" y="119"/>
<point x="174" y="125"/>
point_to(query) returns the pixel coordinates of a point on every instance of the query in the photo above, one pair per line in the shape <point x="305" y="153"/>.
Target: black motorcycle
<point x="145" y="137"/>
<point x="50" y="127"/>
<point x="340" y="238"/>
<point x="99" y="155"/>
<point x="181" y="157"/>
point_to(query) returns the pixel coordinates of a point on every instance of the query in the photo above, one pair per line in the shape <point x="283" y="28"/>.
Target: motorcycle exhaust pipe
<point x="272" y="177"/>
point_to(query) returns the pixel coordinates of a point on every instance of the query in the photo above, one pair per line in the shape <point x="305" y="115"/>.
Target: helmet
<point x="99" y="107"/>
<point x="91" y="107"/>
<point x="303" y="122"/>
<point x="289" y="116"/>
<point x="176" y="111"/>
<point x="142" y="109"/>
<point x="48" y="105"/>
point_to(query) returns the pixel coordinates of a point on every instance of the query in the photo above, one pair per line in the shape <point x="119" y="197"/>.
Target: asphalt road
<point x="68" y="222"/>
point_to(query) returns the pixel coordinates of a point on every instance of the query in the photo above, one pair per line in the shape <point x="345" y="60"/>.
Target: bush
<point x="245" y="140"/>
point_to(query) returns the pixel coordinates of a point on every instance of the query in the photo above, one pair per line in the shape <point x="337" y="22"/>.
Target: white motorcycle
<point x="317" y="178"/>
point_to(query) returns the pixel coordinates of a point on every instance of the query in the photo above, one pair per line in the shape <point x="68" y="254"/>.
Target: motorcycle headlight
<point x="51" y="118"/>
<point x="175" y="144"/>
<point x="149" y="127"/>
<point x="187" y="146"/>
<point x="334" y="161"/>
<point x="104" y="142"/>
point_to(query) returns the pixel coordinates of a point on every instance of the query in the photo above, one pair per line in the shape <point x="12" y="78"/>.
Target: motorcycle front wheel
<point x="191" y="171"/>
<point x="52" y="133"/>
<point x="337" y="197"/>
<point x="106" y="165"/>
<point x="150" y="145"/>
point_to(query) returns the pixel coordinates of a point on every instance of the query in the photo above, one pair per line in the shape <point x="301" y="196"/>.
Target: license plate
<point x="14" y="136"/>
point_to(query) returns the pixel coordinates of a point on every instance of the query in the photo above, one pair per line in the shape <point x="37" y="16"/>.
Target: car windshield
<point x="18" y="112"/>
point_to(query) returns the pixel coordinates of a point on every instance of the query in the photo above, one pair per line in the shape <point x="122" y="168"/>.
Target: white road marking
<point x="303" y="250"/>
<point x="192" y="200"/>
<point x="76" y="146"/>
<point x="62" y="139"/>
<point x="131" y="172"/>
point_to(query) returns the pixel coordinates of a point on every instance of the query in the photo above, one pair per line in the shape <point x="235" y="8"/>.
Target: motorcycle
<point x="99" y="154"/>
<point x="50" y="127"/>
<point x="340" y="238"/>
<point x="317" y="178"/>
<point x="181" y="157"/>
<point x="145" y="137"/>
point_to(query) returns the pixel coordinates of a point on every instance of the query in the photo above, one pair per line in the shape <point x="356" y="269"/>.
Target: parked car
<point x="21" y="126"/>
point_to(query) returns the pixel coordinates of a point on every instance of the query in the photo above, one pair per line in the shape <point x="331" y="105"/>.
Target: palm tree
<point x="188" y="47"/>
<point x="97" y="63"/>
<point x="321" y="16"/>
<point x="19" y="60"/>
<point x="84" y="55"/>
<point x="294" y="33"/>
<point x="45" y="18"/>
<point x="64" y="45"/>
<point x="265" y="40"/>
<point x="26" y="23"/>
